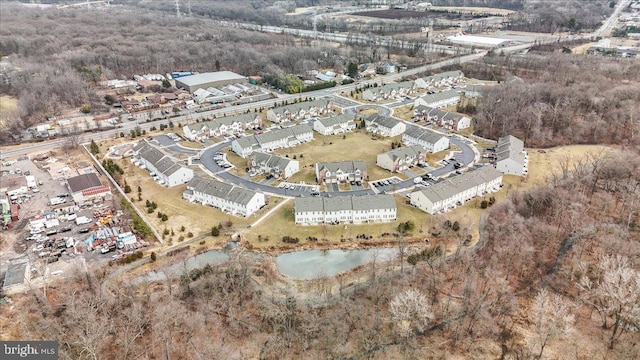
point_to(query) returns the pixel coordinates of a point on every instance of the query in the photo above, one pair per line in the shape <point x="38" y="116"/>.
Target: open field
<point x="357" y="145"/>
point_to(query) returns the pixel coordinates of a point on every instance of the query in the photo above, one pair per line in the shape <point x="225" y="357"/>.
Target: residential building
<point x="402" y="158"/>
<point x="389" y="91"/>
<point x="448" y="78"/>
<point x="87" y="187"/>
<point x="334" y="125"/>
<point x="455" y="190"/>
<point x="272" y="140"/>
<point x="474" y="91"/>
<point x="439" y="99"/>
<point x="192" y="83"/>
<point x="341" y="171"/>
<point x="278" y="166"/>
<point x="511" y="158"/>
<point x="345" y="209"/>
<point x="445" y="119"/>
<point x="226" y="197"/>
<point x="431" y="140"/>
<point x="168" y="170"/>
<point x="225" y="126"/>
<point x="300" y="111"/>
<point x="384" y="125"/>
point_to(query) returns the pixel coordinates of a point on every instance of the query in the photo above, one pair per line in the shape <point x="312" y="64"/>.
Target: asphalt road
<point x="466" y="156"/>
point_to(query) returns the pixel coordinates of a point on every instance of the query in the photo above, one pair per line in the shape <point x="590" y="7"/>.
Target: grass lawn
<point x="191" y="144"/>
<point x="404" y="112"/>
<point x="365" y="112"/>
<point x="196" y="218"/>
<point x="357" y="145"/>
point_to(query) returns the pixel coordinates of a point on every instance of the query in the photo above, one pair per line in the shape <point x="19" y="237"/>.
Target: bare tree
<point x="614" y="293"/>
<point x="410" y="311"/>
<point x="551" y="318"/>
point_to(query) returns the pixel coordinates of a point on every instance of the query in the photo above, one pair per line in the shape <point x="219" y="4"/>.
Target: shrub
<point x="484" y="204"/>
<point x="455" y="226"/>
<point x="215" y="231"/>
<point x="153" y="256"/>
<point x="189" y="234"/>
<point x="290" y="240"/>
<point x="182" y="228"/>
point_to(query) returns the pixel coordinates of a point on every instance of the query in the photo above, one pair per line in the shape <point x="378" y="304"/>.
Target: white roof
<point x="473" y="39"/>
<point x="194" y="80"/>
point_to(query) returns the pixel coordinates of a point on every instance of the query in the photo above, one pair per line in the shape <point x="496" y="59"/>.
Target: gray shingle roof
<point x="510" y="147"/>
<point x="441" y="114"/>
<point x="347" y="166"/>
<point x="295" y="108"/>
<point x="444" y="95"/>
<point x="405" y="151"/>
<point x="390" y="87"/>
<point x="426" y="135"/>
<point x="274" y="135"/>
<point x="336" y="120"/>
<point x="382" y="121"/>
<point x="221" y="190"/>
<point x="227" y="120"/>
<point x="270" y="161"/>
<point x="338" y="203"/>
<point x="161" y="161"/>
<point x="444" y="75"/>
<point x="457" y="184"/>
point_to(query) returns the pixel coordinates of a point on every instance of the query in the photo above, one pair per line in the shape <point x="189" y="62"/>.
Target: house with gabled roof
<point x="228" y="125"/>
<point x="168" y="169"/>
<point x="431" y="140"/>
<point x="334" y="125"/>
<point x="345" y="209"/>
<point x="226" y="197"/>
<point x="447" y="78"/>
<point x="341" y="171"/>
<point x="402" y="158"/>
<point x="389" y="91"/>
<point x="272" y="140"/>
<point x="300" y="111"/>
<point x="511" y="158"/>
<point x="439" y="99"/>
<point x="445" y="119"/>
<point x="278" y="166"/>
<point x="456" y="190"/>
<point x="384" y="125"/>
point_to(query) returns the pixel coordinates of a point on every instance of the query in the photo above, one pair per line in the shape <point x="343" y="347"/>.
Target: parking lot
<point x="385" y="185"/>
<point x="299" y="187"/>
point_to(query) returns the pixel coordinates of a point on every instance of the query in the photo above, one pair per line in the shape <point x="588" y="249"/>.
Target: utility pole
<point x="178" y="8"/>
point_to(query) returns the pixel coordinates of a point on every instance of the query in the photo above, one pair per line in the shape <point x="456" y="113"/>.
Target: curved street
<point x="466" y="156"/>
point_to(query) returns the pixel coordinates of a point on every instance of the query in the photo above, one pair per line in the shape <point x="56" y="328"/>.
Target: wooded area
<point x="559" y="99"/>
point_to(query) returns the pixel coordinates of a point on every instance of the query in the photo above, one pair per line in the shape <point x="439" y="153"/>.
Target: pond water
<point x="299" y="265"/>
<point x="311" y="264"/>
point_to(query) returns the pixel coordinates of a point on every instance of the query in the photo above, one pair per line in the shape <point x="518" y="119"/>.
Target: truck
<point x="82" y="220"/>
<point x="57" y="201"/>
